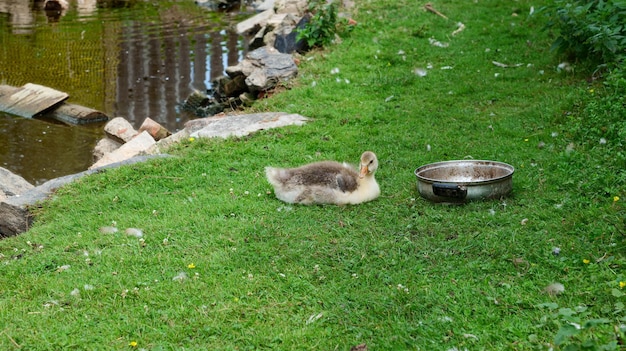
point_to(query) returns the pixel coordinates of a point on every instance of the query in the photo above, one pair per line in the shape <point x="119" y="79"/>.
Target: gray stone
<point x="264" y="5"/>
<point x="264" y="68"/>
<point x="298" y="7"/>
<point x="12" y="184"/>
<point x="240" y="125"/>
<point x="103" y="147"/>
<point x="134" y="147"/>
<point x="120" y="129"/>
<point x="225" y="86"/>
<point x="161" y="146"/>
<point x="254" y="23"/>
<point x="286" y="37"/>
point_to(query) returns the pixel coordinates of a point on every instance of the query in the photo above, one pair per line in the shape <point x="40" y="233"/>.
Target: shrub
<point x="589" y="30"/>
<point x="324" y="24"/>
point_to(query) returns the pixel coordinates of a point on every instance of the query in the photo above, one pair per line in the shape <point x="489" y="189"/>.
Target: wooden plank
<point x="75" y="114"/>
<point x="30" y="100"/>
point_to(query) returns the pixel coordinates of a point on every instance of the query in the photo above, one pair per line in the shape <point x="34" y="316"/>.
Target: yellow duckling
<point x="326" y="182"/>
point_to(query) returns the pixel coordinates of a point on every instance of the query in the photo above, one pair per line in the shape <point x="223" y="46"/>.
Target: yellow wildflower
<point x="191" y="266"/>
<point x="192" y="138"/>
<point x="586" y="261"/>
<point x="615" y="198"/>
<point x="132" y="344"/>
<point x="591" y="91"/>
<point x="622" y="285"/>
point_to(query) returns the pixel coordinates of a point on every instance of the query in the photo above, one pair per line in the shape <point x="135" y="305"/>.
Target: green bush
<point x="324" y="24"/>
<point x="589" y="30"/>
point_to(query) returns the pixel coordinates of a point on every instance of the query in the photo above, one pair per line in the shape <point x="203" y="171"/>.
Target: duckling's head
<point x="369" y="164"/>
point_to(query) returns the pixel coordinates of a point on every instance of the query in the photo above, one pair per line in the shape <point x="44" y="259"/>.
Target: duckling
<point x="326" y="182"/>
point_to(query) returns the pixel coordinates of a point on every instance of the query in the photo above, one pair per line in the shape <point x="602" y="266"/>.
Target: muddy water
<point x="133" y="58"/>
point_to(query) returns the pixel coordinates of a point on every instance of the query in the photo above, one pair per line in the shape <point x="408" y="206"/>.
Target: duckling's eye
<point x="371" y="161"/>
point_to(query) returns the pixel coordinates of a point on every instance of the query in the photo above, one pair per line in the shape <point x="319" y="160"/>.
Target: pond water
<point x="133" y="58"/>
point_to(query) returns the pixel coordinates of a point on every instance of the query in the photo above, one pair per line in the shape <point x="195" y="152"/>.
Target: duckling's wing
<point x="347" y="180"/>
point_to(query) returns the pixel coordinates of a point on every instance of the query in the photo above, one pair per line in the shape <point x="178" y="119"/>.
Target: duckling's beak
<point x="364" y="171"/>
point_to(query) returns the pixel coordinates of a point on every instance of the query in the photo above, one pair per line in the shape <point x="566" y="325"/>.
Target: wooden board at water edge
<point x="29" y="100"/>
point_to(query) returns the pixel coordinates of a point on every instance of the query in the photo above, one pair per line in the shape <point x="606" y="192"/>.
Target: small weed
<point x="324" y="24"/>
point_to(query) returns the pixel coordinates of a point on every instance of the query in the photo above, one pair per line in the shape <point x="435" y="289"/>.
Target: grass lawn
<point x="223" y="265"/>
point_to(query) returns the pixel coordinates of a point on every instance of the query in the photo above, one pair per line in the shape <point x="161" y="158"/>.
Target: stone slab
<point x="134" y="147"/>
<point x="240" y="125"/>
<point x="254" y="23"/>
<point x="12" y="184"/>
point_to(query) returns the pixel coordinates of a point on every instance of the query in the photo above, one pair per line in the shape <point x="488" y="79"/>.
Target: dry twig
<point x="429" y="7"/>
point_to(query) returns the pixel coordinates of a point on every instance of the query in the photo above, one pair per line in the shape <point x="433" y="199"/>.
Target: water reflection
<point x="41" y="150"/>
<point x="140" y="60"/>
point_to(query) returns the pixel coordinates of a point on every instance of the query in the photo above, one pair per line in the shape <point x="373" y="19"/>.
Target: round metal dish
<point x="461" y="181"/>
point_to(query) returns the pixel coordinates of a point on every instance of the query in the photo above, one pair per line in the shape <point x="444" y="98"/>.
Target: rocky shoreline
<point x="18" y="197"/>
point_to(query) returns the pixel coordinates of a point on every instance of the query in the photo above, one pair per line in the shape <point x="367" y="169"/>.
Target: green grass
<point x="398" y="273"/>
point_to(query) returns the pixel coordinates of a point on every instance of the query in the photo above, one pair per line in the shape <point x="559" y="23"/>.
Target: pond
<point x="133" y="58"/>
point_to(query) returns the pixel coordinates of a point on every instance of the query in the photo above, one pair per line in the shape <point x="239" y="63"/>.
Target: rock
<point x="195" y="100"/>
<point x="283" y="22"/>
<point x="282" y="19"/>
<point x="120" y="129"/>
<point x="240" y="125"/>
<point x="264" y="5"/>
<point x="264" y="68"/>
<point x="13" y="220"/>
<point x="195" y="125"/>
<point x="202" y="106"/>
<point x="12" y="184"/>
<point x="253" y="24"/>
<point x="286" y="38"/>
<point x="219" y="5"/>
<point x="229" y="87"/>
<point x="160" y="146"/>
<point x="247" y="99"/>
<point x="298" y="7"/>
<point x="103" y="147"/>
<point x="134" y="147"/>
<point x="258" y="41"/>
<point x="156" y="131"/>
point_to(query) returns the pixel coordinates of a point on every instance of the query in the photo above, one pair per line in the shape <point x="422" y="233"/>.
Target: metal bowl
<point x="460" y="181"/>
